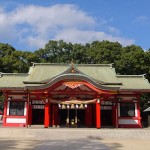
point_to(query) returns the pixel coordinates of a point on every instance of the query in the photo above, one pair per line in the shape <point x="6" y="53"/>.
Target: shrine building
<point x="72" y="96"/>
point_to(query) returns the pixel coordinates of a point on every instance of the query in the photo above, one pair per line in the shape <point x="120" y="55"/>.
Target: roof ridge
<point x="110" y="65"/>
<point x="74" y="64"/>
<point x="142" y="75"/>
<point x="132" y="75"/>
<point x="13" y="74"/>
<point x="50" y="64"/>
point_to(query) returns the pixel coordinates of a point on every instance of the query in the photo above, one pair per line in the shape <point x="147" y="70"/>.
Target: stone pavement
<point x="61" y="133"/>
<point x="74" y="139"/>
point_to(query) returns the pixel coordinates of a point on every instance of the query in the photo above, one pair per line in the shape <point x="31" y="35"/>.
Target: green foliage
<point x="144" y="101"/>
<point x="132" y="60"/>
<point x="127" y="60"/>
<point x="12" y="60"/>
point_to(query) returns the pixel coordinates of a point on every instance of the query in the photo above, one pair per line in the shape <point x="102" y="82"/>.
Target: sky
<point x="30" y="24"/>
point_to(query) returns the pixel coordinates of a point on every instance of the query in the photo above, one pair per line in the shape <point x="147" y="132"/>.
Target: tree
<point x="12" y="60"/>
<point x="132" y="60"/>
<point x="104" y="52"/>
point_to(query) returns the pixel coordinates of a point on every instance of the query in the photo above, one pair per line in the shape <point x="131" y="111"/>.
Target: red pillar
<point x="114" y="114"/>
<point x="94" y="115"/>
<point x="50" y="114"/>
<point x="98" y="119"/>
<point x="46" y="119"/>
<point x="116" y="104"/>
<point x="30" y="115"/>
<point x="5" y="111"/>
<point x="55" y="116"/>
<point x="88" y="116"/>
<point x="138" y="113"/>
<point x="27" y="105"/>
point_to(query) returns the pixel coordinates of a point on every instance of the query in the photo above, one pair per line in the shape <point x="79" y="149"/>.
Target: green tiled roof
<point x="12" y="80"/>
<point x="43" y="71"/>
<point x="134" y="82"/>
<point x="100" y="75"/>
<point x="99" y="72"/>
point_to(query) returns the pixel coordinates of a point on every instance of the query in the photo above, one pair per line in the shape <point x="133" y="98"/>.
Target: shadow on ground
<point x="114" y="146"/>
<point x="90" y="143"/>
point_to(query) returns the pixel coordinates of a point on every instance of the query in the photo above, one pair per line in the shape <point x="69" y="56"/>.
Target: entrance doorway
<point x="106" y="114"/>
<point x="72" y="118"/>
<point x="38" y="116"/>
<point x="106" y="118"/>
<point x="38" y="112"/>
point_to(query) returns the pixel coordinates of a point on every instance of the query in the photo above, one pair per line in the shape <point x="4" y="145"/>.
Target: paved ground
<point x="31" y="144"/>
<point x="74" y="139"/>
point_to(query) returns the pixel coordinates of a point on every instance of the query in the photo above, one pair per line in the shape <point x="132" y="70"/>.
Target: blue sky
<point x="29" y="24"/>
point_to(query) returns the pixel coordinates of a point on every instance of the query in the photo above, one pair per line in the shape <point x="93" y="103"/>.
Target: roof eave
<point x="137" y="90"/>
<point x="12" y="88"/>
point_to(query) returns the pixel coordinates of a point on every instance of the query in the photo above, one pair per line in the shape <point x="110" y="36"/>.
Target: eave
<point x="70" y="77"/>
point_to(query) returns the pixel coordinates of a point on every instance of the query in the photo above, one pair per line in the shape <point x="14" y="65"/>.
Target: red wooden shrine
<point x="74" y="96"/>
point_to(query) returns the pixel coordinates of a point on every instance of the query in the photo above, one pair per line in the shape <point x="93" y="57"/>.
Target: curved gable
<point x="43" y="73"/>
<point x="74" y="77"/>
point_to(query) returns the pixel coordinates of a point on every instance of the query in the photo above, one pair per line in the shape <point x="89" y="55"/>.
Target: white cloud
<point x="35" y="25"/>
<point x="113" y="30"/>
<point x="80" y="36"/>
<point x="142" y="19"/>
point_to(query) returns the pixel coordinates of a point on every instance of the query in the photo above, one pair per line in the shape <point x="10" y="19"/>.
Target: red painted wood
<point x="5" y="109"/>
<point x="94" y="115"/>
<point x="116" y="104"/>
<point x="7" y="116"/>
<point x="14" y="125"/>
<point x="46" y="119"/>
<point x="50" y="118"/>
<point x="114" y="115"/>
<point x="30" y="115"/>
<point x="129" y="126"/>
<point x="54" y="115"/>
<point x="88" y="116"/>
<point x="51" y="88"/>
<point x="98" y="119"/>
<point x="138" y="114"/>
<point x="27" y="114"/>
